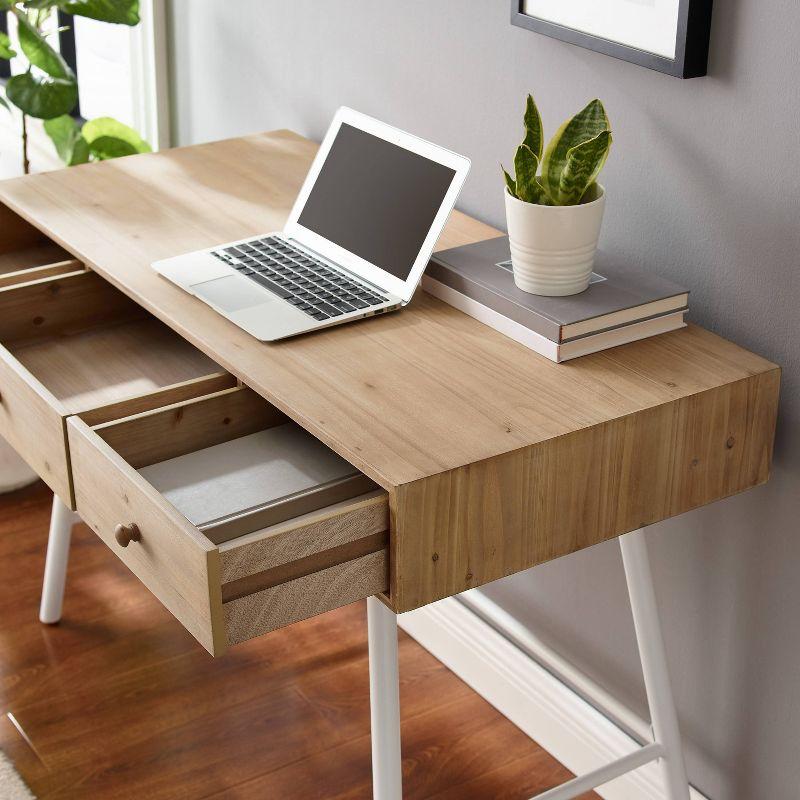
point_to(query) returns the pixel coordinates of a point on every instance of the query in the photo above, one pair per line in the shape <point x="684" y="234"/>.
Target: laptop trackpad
<point x="232" y="293"/>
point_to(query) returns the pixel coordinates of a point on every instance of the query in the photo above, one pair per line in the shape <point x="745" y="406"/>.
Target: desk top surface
<point x="403" y="396"/>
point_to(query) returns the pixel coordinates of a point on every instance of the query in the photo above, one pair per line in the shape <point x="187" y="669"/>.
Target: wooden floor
<point x="118" y="701"/>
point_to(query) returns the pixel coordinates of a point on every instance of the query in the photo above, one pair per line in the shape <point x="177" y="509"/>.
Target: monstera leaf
<point x="123" y="12"/>
<point x="585" y="125"/>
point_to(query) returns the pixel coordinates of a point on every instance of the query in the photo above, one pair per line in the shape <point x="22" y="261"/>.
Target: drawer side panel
<point x="32" y="422"/>
<point x="173" y="560"/>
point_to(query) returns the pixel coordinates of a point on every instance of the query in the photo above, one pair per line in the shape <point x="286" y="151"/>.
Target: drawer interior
<point x="92" y="347"/>
<point x="293" y="529"/>
<point x="25" y="249"/>
<point x="232" y="464"/>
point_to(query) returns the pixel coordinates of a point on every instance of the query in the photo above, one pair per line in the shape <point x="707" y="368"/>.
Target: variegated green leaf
<point x="584" y="162"/>
<point x="510" y="182"/>
<point x="585" y="125"/>
<point x="534" y="135"/>
<point x="526" y="165"/>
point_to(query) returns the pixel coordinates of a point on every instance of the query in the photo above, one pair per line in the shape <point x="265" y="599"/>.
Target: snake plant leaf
<point x="109" y="138"/>
<point x="584" y="162"/>
<point x="4" y="103"/>
<point x="122" y="12"/>
<point x="39" y="51"/>
<point x="526" y="165"/>
<point x="42" y="96"/>
<point x="585" y="125"/>
<point x="510" y="182"/>
<point x="6" y="51"/>
<point x="534" y="134"/>
<point x="65" y="133"/>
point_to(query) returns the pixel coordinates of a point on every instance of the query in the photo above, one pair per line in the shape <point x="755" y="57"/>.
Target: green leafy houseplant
<point x="569" y="165"/>
<point x="48" y="89"/>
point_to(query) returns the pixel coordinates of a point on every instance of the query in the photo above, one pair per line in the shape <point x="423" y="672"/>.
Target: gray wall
<point x="702" y="187"/>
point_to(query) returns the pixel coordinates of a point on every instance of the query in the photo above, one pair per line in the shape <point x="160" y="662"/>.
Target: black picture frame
<point x="691" y="53"/>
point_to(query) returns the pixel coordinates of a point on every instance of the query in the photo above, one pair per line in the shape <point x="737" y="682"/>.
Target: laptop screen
<point x="376" y="199"/>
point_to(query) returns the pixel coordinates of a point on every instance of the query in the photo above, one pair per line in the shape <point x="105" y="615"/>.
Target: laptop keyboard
<point x="304" y="281"/>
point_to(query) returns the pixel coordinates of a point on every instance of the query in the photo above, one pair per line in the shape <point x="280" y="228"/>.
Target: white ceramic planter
<point x="553" y="247"/>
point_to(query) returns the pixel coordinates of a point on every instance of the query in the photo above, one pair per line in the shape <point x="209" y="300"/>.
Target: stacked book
<point x="621" y="305"/>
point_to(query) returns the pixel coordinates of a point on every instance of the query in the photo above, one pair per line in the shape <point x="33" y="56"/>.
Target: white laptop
<point x="356" y="242"/>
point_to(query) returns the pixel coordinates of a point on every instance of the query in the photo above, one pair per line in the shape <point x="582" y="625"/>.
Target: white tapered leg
<point x="55" y="568"/>
<point x="654" y="662"/>
<point x="384" y="692"/>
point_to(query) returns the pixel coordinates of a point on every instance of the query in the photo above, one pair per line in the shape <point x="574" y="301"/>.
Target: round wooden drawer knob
<point x="125" y="534"/>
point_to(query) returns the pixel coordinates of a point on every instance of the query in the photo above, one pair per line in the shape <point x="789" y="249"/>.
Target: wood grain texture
<point x="152" y="399"/>
<point x="184" y="427"/>
<point x="557" y="497"/>
<point x="334" y="587"/>
<point x="303" y="567"/>
<point x="22" y="245"/>
<point x="416" y="400"/>
<point x="32" y="422"/>
<point x="299" y="538"/>
<point x="61" y="305"/>
<point x="115" y="364"/>
<point x="172" y="559"/>
<point x="38" y="272"/>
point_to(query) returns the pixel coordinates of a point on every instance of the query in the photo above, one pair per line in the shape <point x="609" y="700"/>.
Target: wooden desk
<point x="489" y="459"/>
<point x="494" y="459"/>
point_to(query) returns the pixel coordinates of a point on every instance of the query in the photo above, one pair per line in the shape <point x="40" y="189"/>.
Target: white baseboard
<point x="546" y="709"/>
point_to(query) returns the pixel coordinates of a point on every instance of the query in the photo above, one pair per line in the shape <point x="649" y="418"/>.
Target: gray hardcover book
<point x="619" y="294"/>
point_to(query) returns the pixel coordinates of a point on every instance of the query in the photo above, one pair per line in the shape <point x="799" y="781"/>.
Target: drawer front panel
<point x="264" y="611"/>
<point x="32" y="422"/>
<point x="340" y="526"/>
<point x="174" y="561"/>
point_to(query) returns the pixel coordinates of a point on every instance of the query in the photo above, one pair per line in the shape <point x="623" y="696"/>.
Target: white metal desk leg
<point x="654" y="662"/>
<point x="62" y="519"/>
<point x="384" y="692"/>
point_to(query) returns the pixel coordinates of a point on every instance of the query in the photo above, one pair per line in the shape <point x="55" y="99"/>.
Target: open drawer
<point x="26" y="254"/>
<point x="249" y="565"/>
<point x="74" y="344"/>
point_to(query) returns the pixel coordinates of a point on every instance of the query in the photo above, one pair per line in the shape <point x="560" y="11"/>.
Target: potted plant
<point x="48" y="88"/>
<point x="554" y="218"/>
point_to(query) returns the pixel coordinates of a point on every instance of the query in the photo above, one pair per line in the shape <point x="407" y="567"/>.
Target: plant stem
<point x="26" y="164"/>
